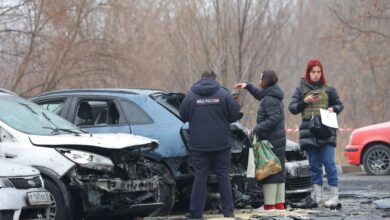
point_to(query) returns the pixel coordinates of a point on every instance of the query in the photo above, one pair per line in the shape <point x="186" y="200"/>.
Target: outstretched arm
<point x="255" y="92"/>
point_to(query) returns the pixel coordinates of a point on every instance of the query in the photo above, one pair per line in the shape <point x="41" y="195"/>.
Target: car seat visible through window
<point x="113" y="113"/>
<point x="84" y="114"/>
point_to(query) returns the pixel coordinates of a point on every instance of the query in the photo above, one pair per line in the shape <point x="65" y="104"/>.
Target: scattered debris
<point x="306" y="203"/>
<point x="383" y="203"/>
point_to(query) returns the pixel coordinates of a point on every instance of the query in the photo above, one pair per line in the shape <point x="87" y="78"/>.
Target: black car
<point x="154" y="114"/>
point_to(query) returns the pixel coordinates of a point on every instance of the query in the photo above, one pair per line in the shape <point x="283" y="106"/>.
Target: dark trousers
<point x="221" y="161"/>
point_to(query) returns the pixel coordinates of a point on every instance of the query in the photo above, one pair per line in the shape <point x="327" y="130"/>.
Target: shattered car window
<point x="30" y="118"/>
<point x="170" y="101"/>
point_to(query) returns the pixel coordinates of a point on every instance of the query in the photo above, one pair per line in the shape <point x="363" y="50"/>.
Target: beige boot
<point x="317" y="195"/>
<point x="333" y="200"/>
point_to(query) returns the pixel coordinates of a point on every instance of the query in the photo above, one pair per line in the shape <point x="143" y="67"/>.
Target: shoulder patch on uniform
<point x="207" y="101"/>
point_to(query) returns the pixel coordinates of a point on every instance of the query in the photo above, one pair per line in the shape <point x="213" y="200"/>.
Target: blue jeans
<point x="323" y="156"/>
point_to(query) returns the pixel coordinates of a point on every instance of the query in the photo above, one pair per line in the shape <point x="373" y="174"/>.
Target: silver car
<point x="22" y="195"/>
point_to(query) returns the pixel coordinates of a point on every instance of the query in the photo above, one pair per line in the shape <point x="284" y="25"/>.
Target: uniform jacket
<point x="297" y="105"/>
<point x="209" y="108"/>
<point x="270" y="124"/>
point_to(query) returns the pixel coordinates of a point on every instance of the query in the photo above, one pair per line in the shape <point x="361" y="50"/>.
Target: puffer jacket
<point x="297" y="105"/>
<point x="209" y="108"/>
<point x="270" y="124"/>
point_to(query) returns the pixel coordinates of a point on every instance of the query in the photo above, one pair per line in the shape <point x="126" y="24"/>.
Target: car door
<point x="98" y="114"/>
<point x="150" y="119"/>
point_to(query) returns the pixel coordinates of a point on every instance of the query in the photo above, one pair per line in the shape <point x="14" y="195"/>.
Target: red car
<point x="370" y="146"/>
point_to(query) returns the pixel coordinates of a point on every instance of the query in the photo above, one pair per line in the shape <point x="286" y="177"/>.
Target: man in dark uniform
<point x="209" y="108"/>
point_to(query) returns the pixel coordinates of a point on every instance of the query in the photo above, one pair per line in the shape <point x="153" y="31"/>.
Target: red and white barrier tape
<point x="340" y="129"/>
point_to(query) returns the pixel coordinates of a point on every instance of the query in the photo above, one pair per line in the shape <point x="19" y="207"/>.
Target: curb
<point x="349" y="169"/>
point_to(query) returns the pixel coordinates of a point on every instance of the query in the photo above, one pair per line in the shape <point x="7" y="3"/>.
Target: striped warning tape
<point x="340" y="129"/>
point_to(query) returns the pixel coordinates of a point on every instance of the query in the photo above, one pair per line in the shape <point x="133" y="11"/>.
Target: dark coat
<point x="297" y="105"/>
<point x="209" y="108"/>
<point x="270" y="124"/>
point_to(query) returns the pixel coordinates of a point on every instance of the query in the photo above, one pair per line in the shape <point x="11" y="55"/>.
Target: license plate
<point x="38" y="198"/>
<point x="303" y="172"/>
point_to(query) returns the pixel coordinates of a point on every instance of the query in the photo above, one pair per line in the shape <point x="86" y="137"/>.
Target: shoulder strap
<point x="305" y="90"/>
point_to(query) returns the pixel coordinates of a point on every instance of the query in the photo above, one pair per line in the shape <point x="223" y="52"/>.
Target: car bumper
<point x="352" y="153"/>
<point x="298" y="178"/>
<point x="14" y="203"/>
<point x="299" y="191"/>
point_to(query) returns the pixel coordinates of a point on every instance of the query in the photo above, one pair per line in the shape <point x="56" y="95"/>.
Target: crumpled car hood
<point x="105" y="141"/>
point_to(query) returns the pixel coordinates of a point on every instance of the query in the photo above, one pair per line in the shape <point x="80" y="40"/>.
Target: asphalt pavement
<point x="358" y="193"/>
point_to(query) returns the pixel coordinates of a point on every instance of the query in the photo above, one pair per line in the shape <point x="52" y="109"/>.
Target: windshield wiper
<point x="29" y="107"/>
<point x="56" y="130"/>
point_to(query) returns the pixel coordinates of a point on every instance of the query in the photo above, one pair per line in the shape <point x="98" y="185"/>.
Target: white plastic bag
<point x="251" y="169"/>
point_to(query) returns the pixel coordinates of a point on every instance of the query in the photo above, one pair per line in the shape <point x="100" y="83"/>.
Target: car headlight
<point x="5" y="183"/>
<point x="87" y="159"/>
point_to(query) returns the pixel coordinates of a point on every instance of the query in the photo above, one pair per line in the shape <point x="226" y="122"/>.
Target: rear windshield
<point x="170" y="101"/>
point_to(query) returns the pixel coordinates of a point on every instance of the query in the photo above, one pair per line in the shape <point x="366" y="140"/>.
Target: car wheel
<point x="376" y="160"/>
<point x="57" y="207"/>
<point x="166" y="190"/>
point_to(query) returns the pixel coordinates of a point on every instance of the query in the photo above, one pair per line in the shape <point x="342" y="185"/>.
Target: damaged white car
<point x="86" y="174"/>
<point x="22" y="195"/>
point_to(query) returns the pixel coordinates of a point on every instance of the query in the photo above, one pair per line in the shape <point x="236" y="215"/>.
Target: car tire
<point x="57" y="206"/>
<point x="167" y="190"/>
<point x="376" y="160"/>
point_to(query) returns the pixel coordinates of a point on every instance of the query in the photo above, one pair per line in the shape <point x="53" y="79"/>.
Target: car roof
<point x="105" y="90"/>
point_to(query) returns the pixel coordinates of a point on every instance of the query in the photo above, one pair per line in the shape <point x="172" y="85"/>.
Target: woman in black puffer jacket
<point x="311" y="95"/>
<point x="270" y="126"/>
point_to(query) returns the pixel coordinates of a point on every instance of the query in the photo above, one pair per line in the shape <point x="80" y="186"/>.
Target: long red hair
<point x="310" y="65"/>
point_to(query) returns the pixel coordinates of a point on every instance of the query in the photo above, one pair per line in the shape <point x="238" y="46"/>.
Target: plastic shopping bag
<point x="251" y="168"/>
<point x="267" y="163"/>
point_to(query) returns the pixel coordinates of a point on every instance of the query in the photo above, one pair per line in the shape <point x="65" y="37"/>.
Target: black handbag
<point x="317" y="129"/>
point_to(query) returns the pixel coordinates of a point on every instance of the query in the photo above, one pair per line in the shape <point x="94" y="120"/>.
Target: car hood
<point x="103" y="141"/>
<point x="11" y="169"/>
<point x="376" y="127"/>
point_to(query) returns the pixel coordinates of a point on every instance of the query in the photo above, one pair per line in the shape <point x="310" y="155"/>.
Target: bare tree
<point x="53" y="44"/>
<point x="363" y="34"/>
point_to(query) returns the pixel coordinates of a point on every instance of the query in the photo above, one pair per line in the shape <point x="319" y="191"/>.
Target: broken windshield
<point x="30" y="118"/>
